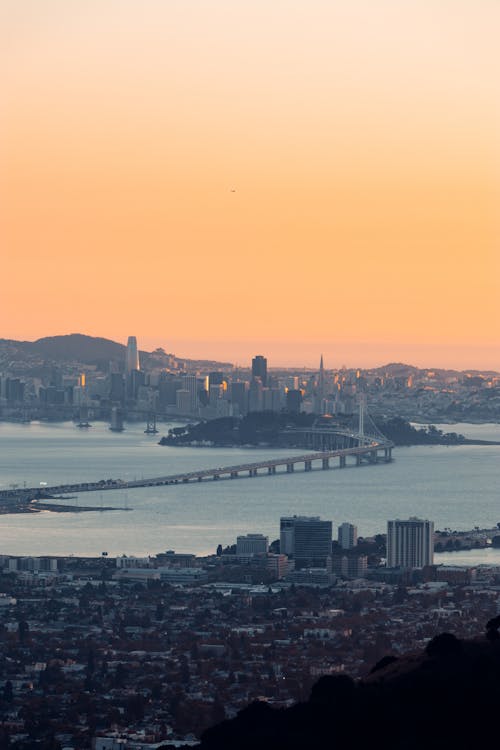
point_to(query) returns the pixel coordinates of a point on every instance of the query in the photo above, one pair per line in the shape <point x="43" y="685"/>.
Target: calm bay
<point x="457" y="487"/>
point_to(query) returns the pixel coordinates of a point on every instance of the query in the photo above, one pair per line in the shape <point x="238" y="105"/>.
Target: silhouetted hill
<point x="445" y="697"/>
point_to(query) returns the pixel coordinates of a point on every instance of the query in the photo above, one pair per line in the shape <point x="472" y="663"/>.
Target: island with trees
<point x="282" y="429"/>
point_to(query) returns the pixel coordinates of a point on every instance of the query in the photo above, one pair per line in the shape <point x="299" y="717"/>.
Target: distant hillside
<point x="20" y="356"/>
<point x="399" y="369"/>
<point x="78" y="347"/>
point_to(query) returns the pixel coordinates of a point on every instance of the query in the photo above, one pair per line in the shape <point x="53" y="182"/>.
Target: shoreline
<point x="37" y="507"/>
<point x="203" y="444"/>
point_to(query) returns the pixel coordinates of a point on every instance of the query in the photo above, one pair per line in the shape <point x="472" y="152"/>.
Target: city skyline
<point x="291" y="179"/>
<point x="281" y="355"/>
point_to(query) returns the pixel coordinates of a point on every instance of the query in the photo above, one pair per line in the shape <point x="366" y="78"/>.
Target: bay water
<point x="457" y="487"/>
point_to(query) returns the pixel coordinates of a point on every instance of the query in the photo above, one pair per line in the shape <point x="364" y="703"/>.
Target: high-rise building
<point x="252" y="544"/>
<point x="256" y="395"/>
<point x="272" y="399"/>
<point x="215" y="378"/>
<point x="239" y="396"/>
<point x="135" y="380"/>
<point x="348" y="535"/>
<point x="350" y="566"/>
<point x="190" y="383"/>
<point x="293" y="400"/>
<point x="215" y="393"/>
<point x="183" y="401"/>
<point x="410" y="543"/>
<point x="259" y="368"/>
<point x="132" y="356"/>
<point x="168" y="387"/>
<point x="307" y="539"/>
<point x="116" y="387"/>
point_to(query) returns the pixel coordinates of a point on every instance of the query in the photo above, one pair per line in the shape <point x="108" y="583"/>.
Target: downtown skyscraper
<point x="132" y="355"/>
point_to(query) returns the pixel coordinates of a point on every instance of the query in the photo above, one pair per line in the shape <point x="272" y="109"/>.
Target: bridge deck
<point x="186" y="477"/>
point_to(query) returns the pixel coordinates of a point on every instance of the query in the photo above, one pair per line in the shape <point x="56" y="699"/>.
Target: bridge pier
<point x="234" y="475"/>
<point x="290" y="468"/>
<point x="200" y="479"/>
<point x="341" y="462"/>
<point x="271" y="469"/>
<point x="307" y="465"/>
<point x="387" y="454"/>
<point x="325" y="463"/>
<point x="215" y="477"/>
<point x="252" y="472"/>
<point x="373" y="457"/>
<point x="358" y="460"/>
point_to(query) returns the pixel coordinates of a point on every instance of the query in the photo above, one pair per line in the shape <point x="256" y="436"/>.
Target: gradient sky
<point x="228" y="177"/>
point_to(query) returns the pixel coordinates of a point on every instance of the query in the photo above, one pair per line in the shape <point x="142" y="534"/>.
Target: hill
<point x="443" y="697"/>
<point x="21" y="356"/>
<point x="78" y="347"/>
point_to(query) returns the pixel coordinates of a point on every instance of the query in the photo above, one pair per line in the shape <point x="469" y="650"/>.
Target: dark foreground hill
<point x="447" y="697"/>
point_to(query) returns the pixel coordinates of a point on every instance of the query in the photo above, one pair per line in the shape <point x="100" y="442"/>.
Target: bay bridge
<point x="353" y="445"/>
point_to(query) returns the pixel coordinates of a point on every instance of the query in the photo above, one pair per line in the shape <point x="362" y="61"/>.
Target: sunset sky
<point x="231" y="177"/>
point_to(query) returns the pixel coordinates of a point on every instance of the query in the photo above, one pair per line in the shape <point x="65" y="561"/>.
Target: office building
<point x="183" y="401"/>
<point x="410" y="543"/>
<point x="116" y="387"/>
<point x="168" y="387"/>
<point x="347" y="535"/>
<point x="252" y="544"/>
<point x="190" y="383"/>
<point x="215" y="393"/>
<point x="135" y="380"/>
<point x="239" y="396"/>
<point x="256" y="395"/>
<point x="132" y="356"/>
<point x="259" y="368"/>
<point x="293" y="400"/>
<point x="306" y="539"/>
<point x="215" y="378"/>
<point x="272" y="400"/>
<point x="350" y="566"/>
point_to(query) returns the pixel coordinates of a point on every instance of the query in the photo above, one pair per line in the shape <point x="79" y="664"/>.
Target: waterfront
<point x="456" y="487"/>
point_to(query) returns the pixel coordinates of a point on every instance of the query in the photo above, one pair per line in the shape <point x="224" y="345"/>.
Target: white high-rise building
<point x="410" y="543"/>
<point x="348" y="535"/>
<point x="190" y="383"/>
<point x="132" y="359"/>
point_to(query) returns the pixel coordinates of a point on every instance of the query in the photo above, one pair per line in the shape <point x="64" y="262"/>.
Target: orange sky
<point x="223" y="178"/>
